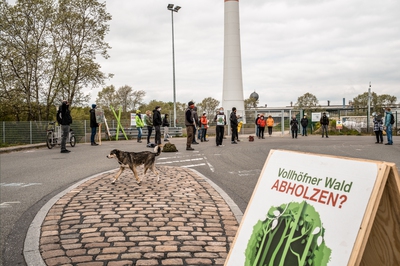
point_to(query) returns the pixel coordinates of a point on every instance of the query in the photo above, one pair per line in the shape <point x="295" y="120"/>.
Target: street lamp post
<point x="173" y="9"/>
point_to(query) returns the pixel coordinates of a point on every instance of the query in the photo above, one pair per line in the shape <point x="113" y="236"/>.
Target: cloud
<point x="330" y="48"/>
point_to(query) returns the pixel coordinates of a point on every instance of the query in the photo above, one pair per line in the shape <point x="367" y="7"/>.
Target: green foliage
<point x="308" y="102"/>
<point x="208" y="105"/>
<point x="377" y="103"/>
<point x="48" y="50"/>
<point x="291" y="234"/>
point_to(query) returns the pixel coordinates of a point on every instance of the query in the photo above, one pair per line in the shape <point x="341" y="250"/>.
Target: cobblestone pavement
<point x="182" y="220"/>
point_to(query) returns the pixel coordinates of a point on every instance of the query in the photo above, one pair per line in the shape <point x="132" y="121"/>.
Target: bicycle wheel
<point x="72" y="141"/>
<point x="49" y="140"/>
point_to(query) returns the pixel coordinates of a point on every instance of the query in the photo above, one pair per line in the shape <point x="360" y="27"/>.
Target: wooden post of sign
<point x="100" y="134"/>
<point x="379" y="244"/>
<point x="107" y="128"/>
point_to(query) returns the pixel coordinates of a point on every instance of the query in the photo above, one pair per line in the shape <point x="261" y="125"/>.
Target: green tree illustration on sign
<point x="291" y="235"/>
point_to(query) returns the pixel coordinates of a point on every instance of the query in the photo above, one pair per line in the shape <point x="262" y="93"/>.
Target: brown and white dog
<point x="133" y="159"/>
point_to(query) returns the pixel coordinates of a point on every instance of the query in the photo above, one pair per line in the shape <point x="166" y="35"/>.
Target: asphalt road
<point x="29" y="178"/>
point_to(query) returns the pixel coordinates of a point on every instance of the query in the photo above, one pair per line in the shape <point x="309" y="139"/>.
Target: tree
<point x="209" y="106"/>
<point x="129" y="100"/>
<point x="250" y="103"/>
<point x="377" y="103"/>
<point x="81" y="28"/>
<point x="308" y="102"/>
<point x="48" y="50"/>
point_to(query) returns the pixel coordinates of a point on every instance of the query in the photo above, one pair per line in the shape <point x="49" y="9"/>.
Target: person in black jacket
<point x="190" y="125"/>
<point x="294" y="125"/>
<point x="157" y="122"/>
<point x="220" y="118"/>
<point x="64" y="119"/>
<point x="234" y="126"/>
<point x="304" y="124"/>
<point x="324" y="121"/>
<point x="93" y="124"/>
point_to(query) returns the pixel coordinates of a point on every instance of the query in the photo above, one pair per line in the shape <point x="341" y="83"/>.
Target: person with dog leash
<point x="190" y="124"/>
<point x="139" y="125"/>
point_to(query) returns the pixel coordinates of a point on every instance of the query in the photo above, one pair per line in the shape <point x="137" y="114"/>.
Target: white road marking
<point x="7" y="204"/>
<point x="182" y="161"/>
<point x="19" y="184"/>
<point x="193" y="165"/>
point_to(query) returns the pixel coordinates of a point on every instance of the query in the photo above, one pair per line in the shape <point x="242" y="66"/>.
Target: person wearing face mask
<point x="204" y="126"/>
<point x="220" y="118"/>
<point x="157" y="122"/>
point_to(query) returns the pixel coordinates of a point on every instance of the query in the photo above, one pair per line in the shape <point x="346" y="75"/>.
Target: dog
<point x="133" y="159"/>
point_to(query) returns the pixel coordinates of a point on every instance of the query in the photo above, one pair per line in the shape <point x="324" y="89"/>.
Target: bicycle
<point x="53" y="136"/>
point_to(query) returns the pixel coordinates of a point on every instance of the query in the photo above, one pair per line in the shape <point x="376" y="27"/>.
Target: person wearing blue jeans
<point x="388" y="125"/>
<point x="304" y="124"/>
<point x="93" y="125"/>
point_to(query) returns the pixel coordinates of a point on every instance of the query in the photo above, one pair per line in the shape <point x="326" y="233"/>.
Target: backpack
<point x="391" y="119"/>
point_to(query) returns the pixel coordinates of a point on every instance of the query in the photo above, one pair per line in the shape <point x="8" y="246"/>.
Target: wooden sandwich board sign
<point x="313" y="209"/>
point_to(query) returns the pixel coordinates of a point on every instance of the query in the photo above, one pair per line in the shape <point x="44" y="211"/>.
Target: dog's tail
<point x="157" y="150"/>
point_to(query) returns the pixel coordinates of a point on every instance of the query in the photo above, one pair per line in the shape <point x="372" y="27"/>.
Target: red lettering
<point x="332" y="199"/>
<point x="291" y="188"/>
<point x="282" y="188"/>
<point x="313" y="197"/>
<point x="305" y="194"/>
<point x="323" y="196"/>
<point x="276" y="185"/>
<point x="299" y="190"/>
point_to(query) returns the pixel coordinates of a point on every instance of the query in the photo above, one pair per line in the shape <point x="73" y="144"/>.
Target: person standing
<point x="197" y="124"/>
<point x="220" y="118"/>
<point x="304" y="124"/>
<point x="190" y="125"/>
<point x="270" y="124"/>
<point x="149" y="122"/>
<point x="261" y="124"/>
<point x="65" y="120"/>
<point x="388" y="126"/>
<point x="204" y="126"/>
<point x="294" y="126"/>
<point x="234" y="125"/>
<point x="378" y="128"/>
<point x="139" y="125"/>
<point x="93" y="125"/>
<point x="165" y="124"/>
<point x="157" y="122"/>
<point x="257" y="126"/>
<point x="324" y="121"/>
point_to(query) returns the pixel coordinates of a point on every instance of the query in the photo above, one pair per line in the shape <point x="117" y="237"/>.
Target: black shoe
<point x="376" y="142"/>
<point x="195" y="143"/>
<point x="94" y="144"/>
<point x="388" y="143"/>
<point x="189" y="149"/>
<point x="233" y="142"/>
<point x="327" y="136"/>
<point x="65" y="151"/>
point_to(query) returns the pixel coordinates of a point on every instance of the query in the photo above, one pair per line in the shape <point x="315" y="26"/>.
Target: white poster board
<point x="220" y="120"/>
<point x="315" y="117"/>
<point x="99" y="113"/>
<point x="133" y="120"/>
<point x="304" y="207"/>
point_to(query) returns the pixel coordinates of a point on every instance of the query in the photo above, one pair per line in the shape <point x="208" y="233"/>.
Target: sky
<point x="330" y="48"/>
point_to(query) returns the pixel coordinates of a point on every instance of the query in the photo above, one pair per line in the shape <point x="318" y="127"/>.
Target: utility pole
<point x="369" y="106"/>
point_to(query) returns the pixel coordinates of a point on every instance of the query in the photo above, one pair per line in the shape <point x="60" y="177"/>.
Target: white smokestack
<point x="232" y="94"/>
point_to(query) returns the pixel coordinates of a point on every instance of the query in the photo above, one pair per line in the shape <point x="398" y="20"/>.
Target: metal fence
<point x="32" y="132"/>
